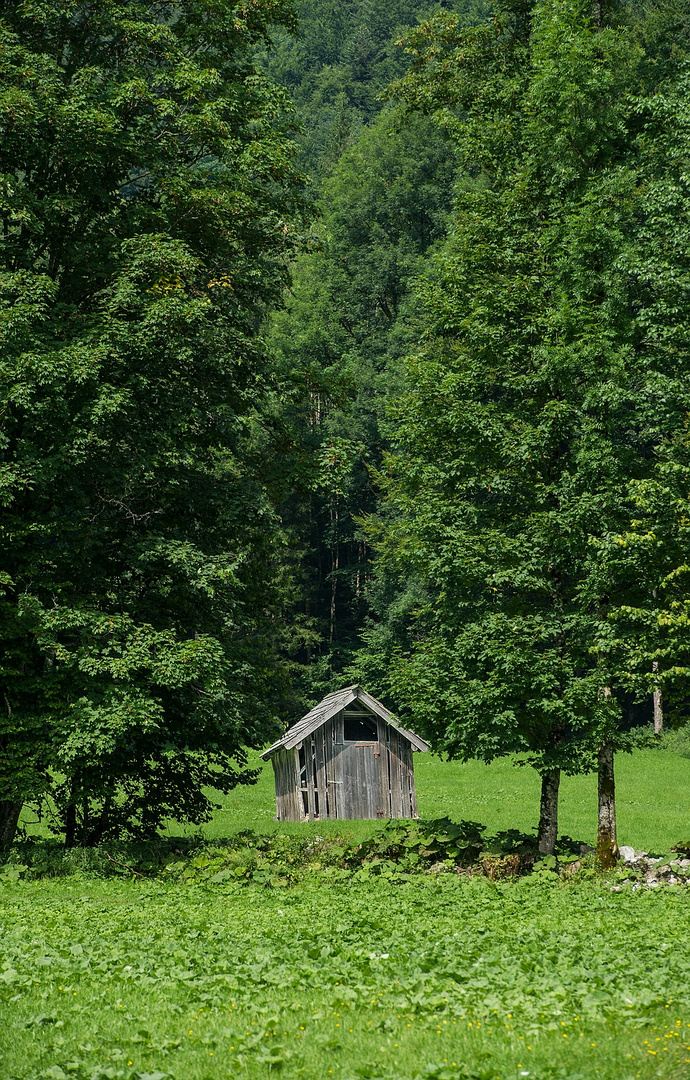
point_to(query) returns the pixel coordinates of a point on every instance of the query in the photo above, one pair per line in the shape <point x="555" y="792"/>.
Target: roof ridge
<point x="325" y="709"/>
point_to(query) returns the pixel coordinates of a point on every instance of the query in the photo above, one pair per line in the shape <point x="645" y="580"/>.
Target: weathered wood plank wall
<point x="286" y="779"/>
<point x="326" y="777"/>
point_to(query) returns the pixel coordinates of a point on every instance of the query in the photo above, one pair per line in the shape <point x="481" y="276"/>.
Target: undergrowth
<point x="677" y="741"/>
<point x="402" y="849"/>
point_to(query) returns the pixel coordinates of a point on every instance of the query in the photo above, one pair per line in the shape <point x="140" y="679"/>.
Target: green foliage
<point x="277" y="860"/>
<point x="340" y="63"/>
<point x="385" y="185"/>
<point x="414" y="846"/>
<point x="552" y="372"/>
<point x="648" y="634"/>
<point x="429" y="977"/>
<point x="677" y="741"/>
<point x="444" y="845"/>
<point x="337" y="346"/>
<point x="149" y="203"/>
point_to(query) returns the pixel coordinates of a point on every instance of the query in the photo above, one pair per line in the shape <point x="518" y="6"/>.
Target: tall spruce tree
<point x="148" y="203"/>
<point x="550" y="376"/>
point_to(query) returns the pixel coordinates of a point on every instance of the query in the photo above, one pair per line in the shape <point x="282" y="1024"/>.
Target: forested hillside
<point x="383" y="180"/>
<point x="339" y="64"/>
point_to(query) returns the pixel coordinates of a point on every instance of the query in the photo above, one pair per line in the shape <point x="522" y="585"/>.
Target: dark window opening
<point x="359" y="728"/>
<point x="303" y="780"/>
<point x="314" y="776"/>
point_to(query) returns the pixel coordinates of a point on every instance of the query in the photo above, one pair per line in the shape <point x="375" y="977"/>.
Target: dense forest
<point x="339" y="343"/>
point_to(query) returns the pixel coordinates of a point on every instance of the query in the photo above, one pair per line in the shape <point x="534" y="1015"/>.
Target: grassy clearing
<point x="444" y="978"/>
<point x="441" y="978"/>
<point x="653" y="797"/>
<point x="653" y="788"/>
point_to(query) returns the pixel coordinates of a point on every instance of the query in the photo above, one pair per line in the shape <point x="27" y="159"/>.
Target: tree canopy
<point x="149" y="204"/>
<point x="552" y="373"/>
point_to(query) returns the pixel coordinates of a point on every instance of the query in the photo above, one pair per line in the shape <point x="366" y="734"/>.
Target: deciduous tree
<point x="148" y="204"/>
<point x="542" y="390"/>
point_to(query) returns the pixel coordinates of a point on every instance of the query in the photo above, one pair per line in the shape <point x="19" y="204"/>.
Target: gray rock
<point x="628" y="854"/>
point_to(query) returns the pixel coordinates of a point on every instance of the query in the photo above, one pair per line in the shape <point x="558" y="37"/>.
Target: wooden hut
<point x="347" y="758"/>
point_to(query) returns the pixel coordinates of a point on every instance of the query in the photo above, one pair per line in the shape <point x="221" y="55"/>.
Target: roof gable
<point x="328" y="708"/>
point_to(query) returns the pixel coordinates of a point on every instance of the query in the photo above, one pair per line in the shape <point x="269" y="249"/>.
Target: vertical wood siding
<point x="326" y="777"/>
<point x="286" y="778"/>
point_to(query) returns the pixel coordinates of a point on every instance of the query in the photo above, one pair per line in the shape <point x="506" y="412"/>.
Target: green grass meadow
<point x="653" y="800"/>
<point x="438" y="976"/>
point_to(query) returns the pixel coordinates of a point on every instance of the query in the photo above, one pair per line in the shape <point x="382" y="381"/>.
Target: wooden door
<point x="358" y="767"/>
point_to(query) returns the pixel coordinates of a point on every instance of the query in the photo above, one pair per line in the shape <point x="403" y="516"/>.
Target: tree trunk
<point x="70" y="825"/>
<point x="658" y="702"/>
<point x="548" y="811"/>
<point x="607" y="844"/>
<point x="9" y="819"/>
<point x="658" y="712"/>
<point x="96" y="834"/>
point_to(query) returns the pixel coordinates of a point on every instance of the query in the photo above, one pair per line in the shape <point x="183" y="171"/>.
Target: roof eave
<point x="342" y="698"/>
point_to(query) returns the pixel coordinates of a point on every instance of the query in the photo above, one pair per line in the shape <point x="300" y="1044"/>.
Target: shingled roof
<point x="331" y="705"/>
